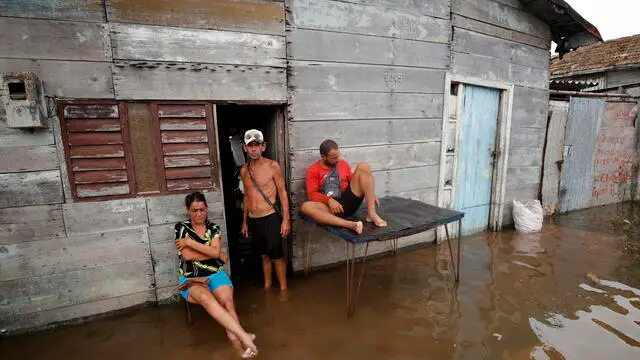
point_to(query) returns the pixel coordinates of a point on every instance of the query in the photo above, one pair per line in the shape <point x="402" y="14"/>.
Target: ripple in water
<point x="601" y="332"/>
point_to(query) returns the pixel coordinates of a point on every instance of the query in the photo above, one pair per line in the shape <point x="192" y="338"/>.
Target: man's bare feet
<point x="358" y="226"/>
<point x="376" y="219"/>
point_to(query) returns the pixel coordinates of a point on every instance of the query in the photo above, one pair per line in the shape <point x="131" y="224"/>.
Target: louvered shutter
<point x="188" y="146"/>
<point x="94" y="139"/>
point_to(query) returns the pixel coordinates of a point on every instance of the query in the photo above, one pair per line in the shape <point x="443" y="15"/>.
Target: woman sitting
<point x="202" y="280"/>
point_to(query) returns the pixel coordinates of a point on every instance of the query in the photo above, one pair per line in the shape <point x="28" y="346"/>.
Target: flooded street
<point x="567" y="293"/>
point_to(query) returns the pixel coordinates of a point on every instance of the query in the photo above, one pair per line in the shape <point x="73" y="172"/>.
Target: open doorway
<point x="232" y="122"/>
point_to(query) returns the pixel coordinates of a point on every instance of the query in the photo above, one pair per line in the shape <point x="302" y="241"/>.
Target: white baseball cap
<point x="253" y="135"/>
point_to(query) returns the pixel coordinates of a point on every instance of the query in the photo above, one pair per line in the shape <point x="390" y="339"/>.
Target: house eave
<point x="569" y="30"/>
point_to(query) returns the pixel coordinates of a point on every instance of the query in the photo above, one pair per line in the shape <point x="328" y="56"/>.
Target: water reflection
<point x="600" y="332"/>
<point x="520" y="296"/>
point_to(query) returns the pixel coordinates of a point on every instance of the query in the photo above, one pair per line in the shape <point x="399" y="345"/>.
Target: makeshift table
<point x="404" y="217"/>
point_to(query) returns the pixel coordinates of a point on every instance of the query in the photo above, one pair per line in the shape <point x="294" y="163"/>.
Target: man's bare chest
<point x="263" y="177"/>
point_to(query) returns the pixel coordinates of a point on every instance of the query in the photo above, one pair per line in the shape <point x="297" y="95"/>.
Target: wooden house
<point x="113" y="109"/>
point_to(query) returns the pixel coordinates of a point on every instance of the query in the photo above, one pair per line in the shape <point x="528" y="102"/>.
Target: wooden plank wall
<point x="198" y="49"/>
<point x="373" y="81"/>
<point x="499" y="41"/>
<point x="125" y="49"/>
<point x="554" y="155"/>
<point x="88" y="258"/>
<point x="100" y="254"/>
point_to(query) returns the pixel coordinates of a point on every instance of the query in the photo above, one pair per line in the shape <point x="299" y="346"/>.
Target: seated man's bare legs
<point x="321" y="213"/>
<point x="364" y="184"/>
<point x="201" y="295"/>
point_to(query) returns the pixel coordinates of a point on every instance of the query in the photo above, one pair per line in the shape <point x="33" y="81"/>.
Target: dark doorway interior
<point x="233" y="121"/>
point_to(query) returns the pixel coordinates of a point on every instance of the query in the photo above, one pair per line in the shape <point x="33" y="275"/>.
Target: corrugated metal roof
<point x="571" y="85"/>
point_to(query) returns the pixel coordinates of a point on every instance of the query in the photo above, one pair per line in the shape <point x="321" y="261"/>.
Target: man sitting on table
<point x="334" y="193"/>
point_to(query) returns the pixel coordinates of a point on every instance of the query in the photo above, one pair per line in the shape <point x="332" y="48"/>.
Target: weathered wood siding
<point x="500" y="41"/>
<point x="106" y="252"/>
<point x="191" y="50"/>
<point x="622" y="78"/>
<point x="159" y="63"/>
<point x="251" y="16"/>
<point x="84" y="10"/>
<point x="373" y="81"/>
<point x="554" y="155"/>
<point x="369" y="74"/>
<point x="99" y="256"/>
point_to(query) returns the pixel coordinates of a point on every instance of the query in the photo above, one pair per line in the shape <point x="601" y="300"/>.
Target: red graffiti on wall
<point x="614" y="154"/>
<point x="621" y="114"/>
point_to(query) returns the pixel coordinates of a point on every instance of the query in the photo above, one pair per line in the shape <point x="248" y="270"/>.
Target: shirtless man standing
<point x="262" y="220"/>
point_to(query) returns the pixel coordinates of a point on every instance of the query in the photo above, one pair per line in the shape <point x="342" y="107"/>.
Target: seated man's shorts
<point x="350" y="202"/>
<point x="265" y="231"/>
<point x="216" y="280"/>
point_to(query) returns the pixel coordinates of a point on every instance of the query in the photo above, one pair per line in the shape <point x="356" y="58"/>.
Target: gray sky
<point x="614" y="18"/>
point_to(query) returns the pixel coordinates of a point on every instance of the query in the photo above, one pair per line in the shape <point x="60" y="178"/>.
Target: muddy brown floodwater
<point x="567" y="293"/>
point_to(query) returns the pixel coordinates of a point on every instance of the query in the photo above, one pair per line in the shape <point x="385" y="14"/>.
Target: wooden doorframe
<point x="503" y="131"/>
<point x="282" y="150"/>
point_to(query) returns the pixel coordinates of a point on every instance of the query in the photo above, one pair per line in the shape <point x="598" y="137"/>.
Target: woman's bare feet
<point x="250" y="348"/>
<point x="237" y="344"/>
<point x="376" y="219"/>
<point x="357" y="226"/>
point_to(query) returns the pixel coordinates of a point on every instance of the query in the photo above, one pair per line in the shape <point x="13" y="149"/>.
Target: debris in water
<point x="593" y="278"/>
<point x="498" y="336"/>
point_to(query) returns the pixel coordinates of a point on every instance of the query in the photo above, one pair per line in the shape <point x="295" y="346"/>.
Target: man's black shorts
<point x="265" y="231"/>
<point x="350" y="202"/>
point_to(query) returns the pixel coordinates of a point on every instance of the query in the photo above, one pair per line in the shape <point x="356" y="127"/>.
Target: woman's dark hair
<point x="327" y="146"/>
<point x="195" y="196"/>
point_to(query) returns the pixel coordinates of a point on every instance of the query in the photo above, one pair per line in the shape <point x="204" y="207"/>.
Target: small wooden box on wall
<point x="22" y="95"/>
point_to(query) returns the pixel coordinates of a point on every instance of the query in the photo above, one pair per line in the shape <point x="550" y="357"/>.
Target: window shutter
<point x="94" y="137"/>
<point x="188" y="146"/>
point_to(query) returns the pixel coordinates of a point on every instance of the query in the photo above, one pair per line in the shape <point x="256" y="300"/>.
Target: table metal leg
<point x="350" y="268"/>
<point x="453" y="264"/>
<point x="353" y="289"/>
<point x="362" y="268"/>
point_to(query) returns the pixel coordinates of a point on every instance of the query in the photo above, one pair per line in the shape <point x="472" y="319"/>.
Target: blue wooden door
<point x="478" y="122"/>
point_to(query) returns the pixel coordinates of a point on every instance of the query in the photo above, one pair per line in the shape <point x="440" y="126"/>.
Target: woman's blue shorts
<point x="216" y="280"/>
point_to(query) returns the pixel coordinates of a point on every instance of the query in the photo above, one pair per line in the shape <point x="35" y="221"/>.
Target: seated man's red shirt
<point x="316" y="174"/>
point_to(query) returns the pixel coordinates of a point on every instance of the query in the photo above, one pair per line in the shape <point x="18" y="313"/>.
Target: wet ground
<point x="567" y="293"/>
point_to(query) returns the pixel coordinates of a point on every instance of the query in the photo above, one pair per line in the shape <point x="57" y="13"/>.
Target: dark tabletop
<point x="404" y="217"/>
